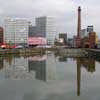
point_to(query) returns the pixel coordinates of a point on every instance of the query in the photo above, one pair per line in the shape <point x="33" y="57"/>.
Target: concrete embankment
<point x="30" y="51"/>
<point x="39" y="51"/>
<point x="94" y="53"/>
<point x="72" y="52"/>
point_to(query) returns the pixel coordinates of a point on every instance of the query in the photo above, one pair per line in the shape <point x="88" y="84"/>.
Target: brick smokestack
<point x="79" y="22"/>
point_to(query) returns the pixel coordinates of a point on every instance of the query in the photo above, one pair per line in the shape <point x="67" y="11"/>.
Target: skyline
<point x="64" y="11"/>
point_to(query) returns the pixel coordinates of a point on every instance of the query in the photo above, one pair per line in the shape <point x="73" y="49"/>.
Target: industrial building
<point x="92" y="40"/>
<point x="85" y="37"/>
<point x="85" y="32"/>
<point x="1" y="35"/>
<point x="78" y="37"/>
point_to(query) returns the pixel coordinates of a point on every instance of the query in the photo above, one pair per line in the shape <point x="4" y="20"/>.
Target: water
<point x="49" y="77"/>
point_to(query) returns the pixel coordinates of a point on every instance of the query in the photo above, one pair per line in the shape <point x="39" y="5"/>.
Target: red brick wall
<point x="78" y="42"/>
<point x="1" y="35"/>
<point x="92" y="39"/>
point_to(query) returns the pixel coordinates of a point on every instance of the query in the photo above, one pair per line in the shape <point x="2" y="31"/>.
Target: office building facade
<point x="16" y="30"/>
<point x="46" y="28"/>
<point x="33" y="31"/>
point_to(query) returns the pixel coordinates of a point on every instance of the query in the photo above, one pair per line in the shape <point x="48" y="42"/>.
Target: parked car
<point x="4" y="46"/>
<point x="43" y="46"/>
<point x="26" y="46"/>
<point x="19" y="47"/>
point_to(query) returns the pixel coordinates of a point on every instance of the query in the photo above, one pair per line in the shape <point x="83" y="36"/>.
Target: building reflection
<point x="43" y="66"/>
<point x="17" y="69"/>
<point x="38" y="65"/>
<point x="25" y="67"/>
<point x="33" y="67"/>
<point x="9" y="59"/>
<point x="78" y="77"/>
<point x="88" y="64"/>
<point x="1" y="63"/>
<point x="62" y="59"/>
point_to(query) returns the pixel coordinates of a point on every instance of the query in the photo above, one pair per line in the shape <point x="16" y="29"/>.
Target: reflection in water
<point x="18" y="68"/>
<point x="41" y="67"/>
<point x="1" y="63"/>
<point x="62" y="59"/>
<point x="78" y="76"/>
<point x="38" y="65"/>
<point x="88" y="64"/>
<point x="38" y="58"/>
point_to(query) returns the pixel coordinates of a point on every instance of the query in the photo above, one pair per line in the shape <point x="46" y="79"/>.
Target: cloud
<point x="65" y="12"/>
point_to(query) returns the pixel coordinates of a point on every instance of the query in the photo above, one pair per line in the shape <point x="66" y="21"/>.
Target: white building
<point x="90" y="28"/>
<point x="46" y="27"/>
<point x="16" y="30"/>
<point x="84" y="33"/>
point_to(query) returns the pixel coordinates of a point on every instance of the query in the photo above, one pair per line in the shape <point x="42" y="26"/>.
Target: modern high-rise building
<point x="33" y="31"/>
<point x="46" y="28"/>
<point x="16" y="30"/>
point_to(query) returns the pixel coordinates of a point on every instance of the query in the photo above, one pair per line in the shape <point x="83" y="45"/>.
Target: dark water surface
<point x="49" y="77"/>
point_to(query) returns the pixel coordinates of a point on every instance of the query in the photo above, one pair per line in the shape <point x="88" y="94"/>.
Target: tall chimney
<point x="79" y="22"/>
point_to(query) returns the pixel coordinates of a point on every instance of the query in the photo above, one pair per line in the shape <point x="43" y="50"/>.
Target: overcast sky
<point x="64" y="11"/>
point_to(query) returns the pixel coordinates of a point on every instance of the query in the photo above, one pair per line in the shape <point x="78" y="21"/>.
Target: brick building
<point x="92" y="40"/>
<point x="1" y="35"/>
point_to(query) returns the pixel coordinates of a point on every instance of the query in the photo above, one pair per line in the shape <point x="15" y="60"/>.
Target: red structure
<point x="92" y="40"/>
<point x="1" y="35"/>
<point x="78" y="38"/>
<point x="37" y="41"/>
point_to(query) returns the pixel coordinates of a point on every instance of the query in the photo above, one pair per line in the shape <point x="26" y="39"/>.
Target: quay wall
<point x="95" y="53"/>
<point x="22" y="51"/>
<point x="73" y="52"/>
<point x="60" y="52"/>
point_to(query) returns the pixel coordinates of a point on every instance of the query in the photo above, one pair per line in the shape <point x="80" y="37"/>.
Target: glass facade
<point x="46" y="27"/>
<point x="16" y="30"/>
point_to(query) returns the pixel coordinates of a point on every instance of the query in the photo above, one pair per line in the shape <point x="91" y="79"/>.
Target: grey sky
<point x="65" y="12"/>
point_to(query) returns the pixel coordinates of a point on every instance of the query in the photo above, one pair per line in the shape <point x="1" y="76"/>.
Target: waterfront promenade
<point x="24" y="51"/>
<point x="70" y="52"/>
<point x="93" y="52"/>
